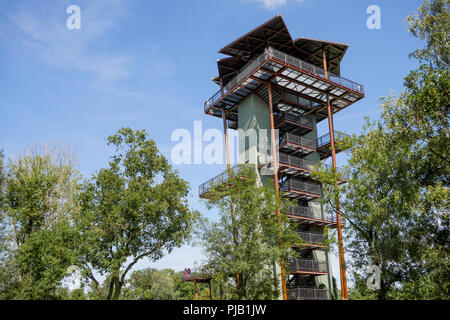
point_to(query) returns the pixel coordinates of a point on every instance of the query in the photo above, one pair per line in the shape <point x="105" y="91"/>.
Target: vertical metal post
<point x="344" y="292"/>
<point x="227" y="150"/>
<point x="277" y="191"/>
<point x="195" y="289"/>
<point x="210" y="292"/>
<point x="227" y="147"/>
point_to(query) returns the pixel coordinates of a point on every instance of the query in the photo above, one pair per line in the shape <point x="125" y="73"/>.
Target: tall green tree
<point x="39" y="190"/>
<point x="243" y="245"/>
<point x="135" y="208"/>
<point x="432" y="25"/>
<point x="397" y="202"/>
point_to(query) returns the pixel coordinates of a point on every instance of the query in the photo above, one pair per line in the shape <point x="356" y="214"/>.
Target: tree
<point x="39" y="191"/>
<point x="432" y="25"/>
<point x="243" y="245"/>
<point x="151" y="284"/>
<point x="397" y="201"/>
<point x="134" y="209"/>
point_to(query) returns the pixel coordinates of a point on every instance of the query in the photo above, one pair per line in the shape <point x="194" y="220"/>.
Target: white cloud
<point x="46" y="34"/>
<point x="271" y="4"/>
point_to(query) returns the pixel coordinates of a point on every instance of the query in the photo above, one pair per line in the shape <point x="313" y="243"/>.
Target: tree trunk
<point x="118" y="286"/>
<point x="111" y="289"/>
<point x="382" y="291"/>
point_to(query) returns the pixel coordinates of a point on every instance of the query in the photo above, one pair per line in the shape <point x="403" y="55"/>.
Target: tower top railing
<point x="269" y="53"/>
<point x="318" y="71"/>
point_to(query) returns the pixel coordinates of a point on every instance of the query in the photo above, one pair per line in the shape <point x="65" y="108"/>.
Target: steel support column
<point x="227" y="147"/>
<point x="227" y="151"/>
<point x="195" y="289"/>
<point x="277" y="191"/>
<point x="344" y="292"/>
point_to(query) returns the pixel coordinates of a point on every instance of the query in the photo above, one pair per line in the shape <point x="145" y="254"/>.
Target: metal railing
<point x="298" y="185"/>
<point x="248" y="69"/>
<point x="297" y="162"/>
<point x="308" y="294"/>
<point x="292" y="117"/>
<point x="325" y="139"/>
<point x="308" y="165"/>
<point x="223" y="177"/>
<point x="312" y="238"/>
<point x="194" y="275"/>
<point x="307" y="212"/>
<point x="302" y="141"/>
<point x="252" y="67"/>
<point x="309" y="265"/>
<point x="318" y="71"/>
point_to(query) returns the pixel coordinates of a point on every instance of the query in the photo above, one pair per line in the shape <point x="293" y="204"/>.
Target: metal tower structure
<point x="271" y="81"/>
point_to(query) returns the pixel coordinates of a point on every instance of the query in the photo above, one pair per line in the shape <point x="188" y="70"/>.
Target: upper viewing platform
<point x="295" y="67"/>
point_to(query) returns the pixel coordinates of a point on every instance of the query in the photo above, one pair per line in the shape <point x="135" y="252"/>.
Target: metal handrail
<point x="307" y="212"/>
<point x="298" y="185"/>
<point x="325" y="139"/>
<point x="302" y="141"/>
<point x="220" y="178"/>
<point x="308" y="165"/>
<point x="308" y="265"/>
<point x="297" y="162"/>
<point x="318" y="71"/>
<point x="193" y="275"/>
<point x="297" y="118"/>
<point x="312" y="238"/>
<point x="252" y="67"/>
<point x="302" y="293"/>
<point x="248" y="69"/>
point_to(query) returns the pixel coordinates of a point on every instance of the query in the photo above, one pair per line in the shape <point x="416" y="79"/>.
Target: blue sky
<point x="148" y="64"/>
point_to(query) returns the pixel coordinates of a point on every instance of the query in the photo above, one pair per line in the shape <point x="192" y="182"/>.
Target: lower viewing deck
<point x="305" y="215"/>
<point x="300" y="189"/>
<point x="308" y="294"/>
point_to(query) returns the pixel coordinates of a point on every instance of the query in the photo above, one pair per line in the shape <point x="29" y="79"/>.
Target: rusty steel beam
<point x="277" y="190"/>
<point x="344" y="292"/>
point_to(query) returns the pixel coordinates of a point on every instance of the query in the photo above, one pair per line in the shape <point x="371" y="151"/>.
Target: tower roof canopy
<point x="311" y="50"/>
<point x="274" y="33"/>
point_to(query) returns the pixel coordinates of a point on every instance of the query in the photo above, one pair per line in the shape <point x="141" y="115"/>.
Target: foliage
<point x="397" y="201"/>
<point x="39" y="191"/>
<point x="136" y="208"/>
<point x="432" y="24"/>
<point x="243" y="245"/>
<point x="150" y="284"/>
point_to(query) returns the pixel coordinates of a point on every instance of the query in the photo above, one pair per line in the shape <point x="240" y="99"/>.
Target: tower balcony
<point x="308" y="294"/>
<point x="204" y="188"/>
<point x="299" y="189"/>
<point x="286" y="73"/>
<point x="324" y="144"/>
<point x="293" y="123"/>
<point x="308" y="267"/>
<point x="294" y="144"/>
<point x="295" y="166"/>
<point x="298" y="167"/>
<point x="305" y="215"/>
<point x="312" y="240"/>
<point x="198" y="276"/>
